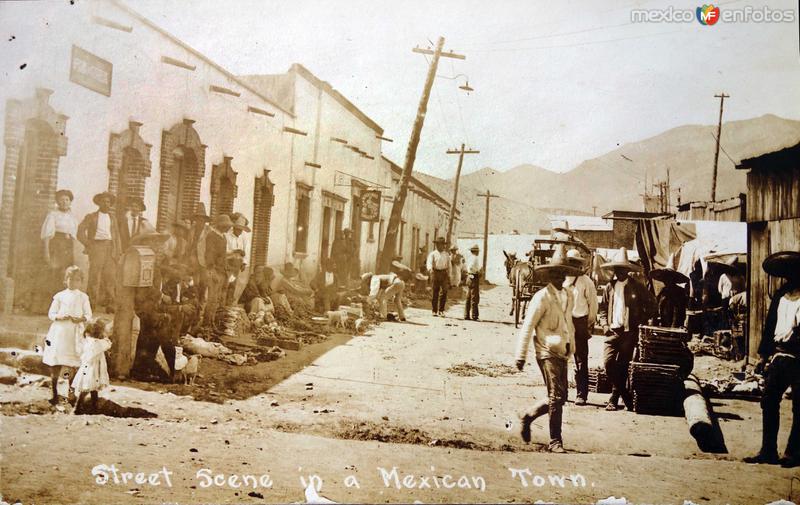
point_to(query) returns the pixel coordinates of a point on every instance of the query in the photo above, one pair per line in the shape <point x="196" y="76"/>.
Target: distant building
<point x="624" y="225"/>
<point x="732" y="209"/>
<point x="595" y="231"/>
<point x="773" y="225"/>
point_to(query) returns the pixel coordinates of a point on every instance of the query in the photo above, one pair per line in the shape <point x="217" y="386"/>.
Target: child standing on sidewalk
<point x="69" y="311"/>
<point x="92" y="376"/>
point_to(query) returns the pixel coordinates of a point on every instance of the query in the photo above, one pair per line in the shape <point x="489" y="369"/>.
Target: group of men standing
<point x="444" y="273"/>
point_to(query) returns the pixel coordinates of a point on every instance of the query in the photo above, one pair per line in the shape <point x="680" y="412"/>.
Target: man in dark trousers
<point x="630" y="304"/>
<point x="99" y="234"/>
<point x="780" y="361"/>
<point x="216" y="265"/>
<point x="342" y="252"/>
<point x="584" y="314"/>
<point x="473" y="268"/>
<point x="438" y="265"/>
<point x="133" y="222"/>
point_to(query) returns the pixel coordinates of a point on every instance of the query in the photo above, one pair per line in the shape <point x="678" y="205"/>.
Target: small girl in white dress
<point x="92" y="376"/>
<point x="69" y="311"/>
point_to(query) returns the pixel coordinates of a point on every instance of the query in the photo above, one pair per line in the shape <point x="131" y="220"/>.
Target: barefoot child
<point x="69" y="311"/>
<point x="92" y="376"/>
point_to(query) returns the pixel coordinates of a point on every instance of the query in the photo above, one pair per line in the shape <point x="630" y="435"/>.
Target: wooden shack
<point x="773" y="224"/>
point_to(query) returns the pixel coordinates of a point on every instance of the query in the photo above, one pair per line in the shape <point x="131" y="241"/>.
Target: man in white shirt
<point x="548" y="322"/>
<point x="238" y="243"/>
<point x="584" y="314"/>
<point x="780" y="361"/>
<point x="473" y="268"/>
<point x="438" y="265"/>
<point x="99" y="234"/>
<point x="389" y="287"/>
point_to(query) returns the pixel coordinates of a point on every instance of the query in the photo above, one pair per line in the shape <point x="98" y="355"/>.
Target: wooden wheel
<point x="517" y="308"/>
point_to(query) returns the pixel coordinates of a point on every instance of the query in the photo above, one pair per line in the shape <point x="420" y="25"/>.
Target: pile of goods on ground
<point x="598" y="381"/>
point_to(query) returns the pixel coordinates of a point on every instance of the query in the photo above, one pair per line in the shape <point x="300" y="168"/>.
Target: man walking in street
<point x="473" y="268"/>
<point x="548" y="322"/>
<point x="780" y="361"/>
<point x="217" y="265"/>
<point x="438" y="265"/>
<point x="99" y="234"/>
<point x="584" y="315"/>
<point x="630" y="304"/>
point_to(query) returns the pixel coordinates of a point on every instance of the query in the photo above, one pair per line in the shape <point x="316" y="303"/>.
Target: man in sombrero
<point x="99" y="234"/>
<point x="630" y="304"/>
<point x="780" y="361"/>
<point x="548" y="322"/>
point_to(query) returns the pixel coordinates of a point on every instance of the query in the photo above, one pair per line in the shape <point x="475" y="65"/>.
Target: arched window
<point x="183" y="165"/>
<point x="223" y="187"/>
<point x="263" y="200"/>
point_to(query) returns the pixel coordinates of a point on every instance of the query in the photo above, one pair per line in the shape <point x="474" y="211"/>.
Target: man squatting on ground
<point x="384" y="288"/>
<point x="548" y="322"/>
<point x="780" y="361"/>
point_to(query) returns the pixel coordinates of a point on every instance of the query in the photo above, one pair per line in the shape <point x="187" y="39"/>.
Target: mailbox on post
<point x="137" y="267"/>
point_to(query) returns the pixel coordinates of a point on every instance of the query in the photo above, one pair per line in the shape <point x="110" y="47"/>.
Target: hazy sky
<point x="555" y="82"/>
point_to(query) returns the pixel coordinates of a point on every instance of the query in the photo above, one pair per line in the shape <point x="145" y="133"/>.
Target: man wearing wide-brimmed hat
<point x="216" y="264"/>
<point x="548" y="322"/>
<point x="630" y="304"/>
<point x="438" y="265"/>
<point x="780" y="360"/>
<point x="584" y="314"/>
<point x="238" y="238"/>
<point x="473" y="268"/>
<point x="99" y="234"/>
<point x="133" y="222"/>
<point x="672" y="299"/>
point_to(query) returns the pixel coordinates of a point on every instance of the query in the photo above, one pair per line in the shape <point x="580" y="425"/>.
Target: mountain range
<point x="616" y="180"/>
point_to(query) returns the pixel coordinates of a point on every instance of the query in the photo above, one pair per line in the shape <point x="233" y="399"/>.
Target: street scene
<point x="467" y="254"/>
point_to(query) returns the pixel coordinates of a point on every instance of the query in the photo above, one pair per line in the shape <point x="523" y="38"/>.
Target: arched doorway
<point x="128" y="165"/>
<point x="35" y="141"/>
<point x="223" y="187"/>
<point x="182" y="169"/>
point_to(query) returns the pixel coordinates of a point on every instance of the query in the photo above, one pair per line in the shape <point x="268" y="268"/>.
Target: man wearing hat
<point x="456" y="269"/>
<point x="630" y="304"/>
<point x="473" y="269"/>
<point x="133" y="222"/>
<point x="672" y="299"/>
<point x="239" y="242"/>
<point x="438" y="265"/>
<point x="99" y="234"/>
<point x="389" y="287"/>
<point x="548" y="322"/>
<point x="343" y="251"/>
<point x="780" y="360"/>
<point x="584" y="314"/>
<point x="216" y="265"/>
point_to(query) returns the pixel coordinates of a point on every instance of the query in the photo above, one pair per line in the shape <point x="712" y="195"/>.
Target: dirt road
<point x="425" y="410"/>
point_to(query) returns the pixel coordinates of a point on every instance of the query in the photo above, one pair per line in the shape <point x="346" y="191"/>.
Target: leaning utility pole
<point x="460" y="152"/>
<point x="722" y="96"/>
<point x="387" y="255"/>
<point x="488" y="196"/>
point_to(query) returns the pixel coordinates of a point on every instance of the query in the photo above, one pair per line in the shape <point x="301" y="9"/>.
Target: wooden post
<point x="122" y="352"/>
<point x="722" y="97"/>
<point x="461" y="152"/>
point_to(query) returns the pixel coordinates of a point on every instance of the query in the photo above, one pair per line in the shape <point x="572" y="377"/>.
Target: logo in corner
<point x="708" y="15"/>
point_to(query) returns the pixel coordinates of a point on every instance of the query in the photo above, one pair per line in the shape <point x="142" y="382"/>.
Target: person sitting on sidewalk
<point x="548" y="322"/>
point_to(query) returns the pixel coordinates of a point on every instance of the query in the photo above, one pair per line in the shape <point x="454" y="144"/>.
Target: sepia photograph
<point x="372" y="251"/>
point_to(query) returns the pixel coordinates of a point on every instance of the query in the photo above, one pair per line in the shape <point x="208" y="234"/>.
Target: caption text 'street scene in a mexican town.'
<point x="370" y="251"/>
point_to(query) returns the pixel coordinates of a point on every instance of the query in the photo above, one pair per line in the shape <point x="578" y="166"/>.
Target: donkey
<point x="518" y="272"/>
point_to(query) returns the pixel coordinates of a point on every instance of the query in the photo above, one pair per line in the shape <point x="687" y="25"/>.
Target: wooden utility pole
<point x="411" y="153"/>
<point x="460" y="152"/>
<point x="722" y="96"/>
<point x="488" y="196"/>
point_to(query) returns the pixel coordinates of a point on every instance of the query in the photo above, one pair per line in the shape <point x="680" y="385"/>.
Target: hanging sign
<point x="90" y="71"/>
<point x="371" y="205"/>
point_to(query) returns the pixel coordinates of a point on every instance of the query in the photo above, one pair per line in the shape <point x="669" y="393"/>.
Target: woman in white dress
<point x="59" y="230"/>
<point x="69" y="311"/>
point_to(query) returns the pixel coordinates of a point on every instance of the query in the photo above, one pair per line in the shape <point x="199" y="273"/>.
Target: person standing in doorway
<point x="630" y="304"/>
<point x="342" y="252"/>
<point x="99" y="234"/>
<point x="548" y="322"/>
<point x="238" y="239"/>
<point x="473" y="269"/>
<point x="584" y="315"/>
<point x="59" y="230"/>
<point x="438" y="265"/>
<point x="780" y="361"/>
